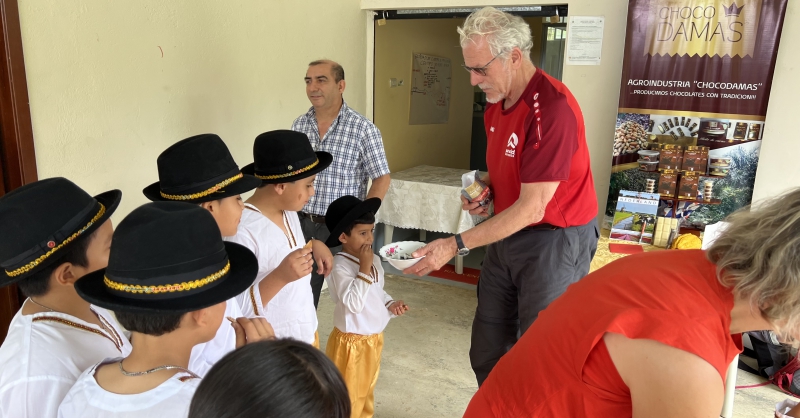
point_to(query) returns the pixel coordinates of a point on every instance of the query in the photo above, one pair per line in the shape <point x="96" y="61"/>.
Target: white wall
<point x="105" y="103"/>
<point x="778" y="170"/>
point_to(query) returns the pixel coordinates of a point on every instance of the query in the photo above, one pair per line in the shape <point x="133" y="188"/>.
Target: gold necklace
<point x="37" y="303"/>
<point x="155" y="369"/>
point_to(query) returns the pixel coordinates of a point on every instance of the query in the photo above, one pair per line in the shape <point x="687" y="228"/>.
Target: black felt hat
<point x="284" y="156"/>
<point x="343" y="211"/>
<point x="169" y="257"/>
<point x="196" y="170"/>
<point x="41" y="220"/>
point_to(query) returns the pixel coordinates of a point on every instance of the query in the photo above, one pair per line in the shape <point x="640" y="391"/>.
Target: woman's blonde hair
<point x="758" y="255"/>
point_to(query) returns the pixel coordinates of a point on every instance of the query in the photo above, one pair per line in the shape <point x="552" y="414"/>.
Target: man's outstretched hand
<point x="436" y="254"/>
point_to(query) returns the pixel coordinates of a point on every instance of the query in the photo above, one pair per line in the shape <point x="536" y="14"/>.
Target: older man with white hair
<point x="544" y="234"/>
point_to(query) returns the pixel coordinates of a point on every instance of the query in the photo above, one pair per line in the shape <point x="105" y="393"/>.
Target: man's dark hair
<point x="271" y="379"/>
<point x="38" y="283"/>
<point x="155" y="324"/>
<point x="365" y="219"/>
<point x="336" y="69"/>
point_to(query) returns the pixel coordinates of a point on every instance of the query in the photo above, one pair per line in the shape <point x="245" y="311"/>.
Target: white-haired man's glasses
<point x="481" y="71"/>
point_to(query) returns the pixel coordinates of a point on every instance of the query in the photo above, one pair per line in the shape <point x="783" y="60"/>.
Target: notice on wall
<point x="430" y="90"/>
<point x="585" y="40"/>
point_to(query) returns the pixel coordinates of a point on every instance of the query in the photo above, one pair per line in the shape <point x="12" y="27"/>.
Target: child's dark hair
<point x="365" y="219"/>
<point x="154" y="324"/>
<point x="272" y="379"/>
<point x="264" y="184"/>
<point x="38" y="284"/>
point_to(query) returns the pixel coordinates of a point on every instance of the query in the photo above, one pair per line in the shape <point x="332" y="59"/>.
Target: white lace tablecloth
<point x="426" y="198"/>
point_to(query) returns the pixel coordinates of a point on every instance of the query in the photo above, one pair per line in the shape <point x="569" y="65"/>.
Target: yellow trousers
<point x="358" y="358"/>
<point x="316" y="340"/>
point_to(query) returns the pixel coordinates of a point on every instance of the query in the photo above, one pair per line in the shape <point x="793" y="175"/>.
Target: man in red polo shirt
<point x="544" y="234"/>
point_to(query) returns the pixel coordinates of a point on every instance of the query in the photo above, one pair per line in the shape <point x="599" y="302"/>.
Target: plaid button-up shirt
<point x="358" y="155"/>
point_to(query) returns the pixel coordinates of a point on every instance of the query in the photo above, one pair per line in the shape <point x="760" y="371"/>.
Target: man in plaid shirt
<point x="355" y="144"/>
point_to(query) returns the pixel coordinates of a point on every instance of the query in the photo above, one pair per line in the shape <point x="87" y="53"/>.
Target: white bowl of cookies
<point x="398" y="254"/>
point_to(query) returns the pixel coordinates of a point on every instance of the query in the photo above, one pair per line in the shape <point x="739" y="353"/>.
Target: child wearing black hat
<point x="201" y="170"/>
<point x="287" y="166"/>
<point x="53" y="233"/>
<point x="363" y="308"/>
<point x="168" y="278"/>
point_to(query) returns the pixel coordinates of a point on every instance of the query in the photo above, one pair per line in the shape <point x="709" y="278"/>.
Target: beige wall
<point x="443" y="145"/>
<point x="105" y="103"/>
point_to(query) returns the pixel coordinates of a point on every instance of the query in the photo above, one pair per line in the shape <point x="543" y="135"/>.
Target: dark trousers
<point x="319" y="232"/>
<point x="520" y="276"/>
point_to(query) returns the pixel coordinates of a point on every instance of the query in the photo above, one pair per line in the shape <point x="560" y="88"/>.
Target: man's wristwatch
<point x="462" y="249"/>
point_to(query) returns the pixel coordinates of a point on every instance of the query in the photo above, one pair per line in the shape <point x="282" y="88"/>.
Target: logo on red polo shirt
<point x="511" y="149"/>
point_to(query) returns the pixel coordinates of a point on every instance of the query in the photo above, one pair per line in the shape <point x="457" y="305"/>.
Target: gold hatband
<point x="167" y="288"/>
<point x="204" y="193"/>
<point x="281" y="176"/>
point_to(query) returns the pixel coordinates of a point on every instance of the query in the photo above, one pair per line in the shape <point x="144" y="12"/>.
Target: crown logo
<point x="733" y="10"/>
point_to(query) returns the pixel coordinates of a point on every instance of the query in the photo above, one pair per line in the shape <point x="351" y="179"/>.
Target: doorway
<point x="460" y="140"/>
<point x="553" y="44"/>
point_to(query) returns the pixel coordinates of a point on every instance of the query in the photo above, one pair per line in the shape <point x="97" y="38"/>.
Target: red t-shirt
<point x="541" y="138"/>
<point x="561" y="367"/>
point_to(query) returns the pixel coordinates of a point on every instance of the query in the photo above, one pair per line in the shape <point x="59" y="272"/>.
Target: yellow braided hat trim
<point x="204" y="193"/>
<point x="167" y="288"/>
<point x="282" y="176"/>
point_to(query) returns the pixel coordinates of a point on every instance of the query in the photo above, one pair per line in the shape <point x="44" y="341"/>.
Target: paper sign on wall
<point x="585" y="40"/>
<point x="430" y="90"/>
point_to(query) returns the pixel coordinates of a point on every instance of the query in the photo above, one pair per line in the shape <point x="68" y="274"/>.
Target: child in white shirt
<point x="53" y="233"/>
<point x="168" y="279"/>
<point x="363" y="308"/>
<point x="201" y="170"/>
<point x="287" y="166"/>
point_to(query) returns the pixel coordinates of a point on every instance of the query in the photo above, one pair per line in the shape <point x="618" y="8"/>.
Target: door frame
<point x="17" y="153"/>
<point x="543" y="43"/>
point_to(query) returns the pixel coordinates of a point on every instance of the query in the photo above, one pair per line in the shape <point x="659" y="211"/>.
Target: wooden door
<point x="17" y="158"/>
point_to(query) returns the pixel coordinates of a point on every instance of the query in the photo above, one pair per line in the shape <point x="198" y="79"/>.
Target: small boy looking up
<point x="201" y="170"/>
<point x="53" y="233"/>
<point x="270" y="227"/>
<point x="363" y="308"/>
<point x="168" y="279"/>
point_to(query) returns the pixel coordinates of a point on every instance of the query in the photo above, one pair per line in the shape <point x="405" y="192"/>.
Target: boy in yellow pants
<point x="363" y="308"/>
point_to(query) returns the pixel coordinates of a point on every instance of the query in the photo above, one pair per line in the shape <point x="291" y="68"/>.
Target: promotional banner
<point x="696" y="80"/>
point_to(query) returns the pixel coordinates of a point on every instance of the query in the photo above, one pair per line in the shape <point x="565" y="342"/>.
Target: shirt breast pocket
<point x="346" y="164"/>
